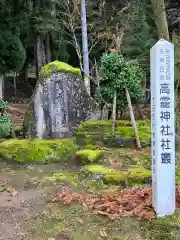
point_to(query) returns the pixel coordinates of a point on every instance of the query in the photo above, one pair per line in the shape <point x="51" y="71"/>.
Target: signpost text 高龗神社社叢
<point x="162" y="127"/>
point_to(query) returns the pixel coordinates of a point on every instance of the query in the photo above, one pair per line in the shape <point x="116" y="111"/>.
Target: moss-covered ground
<point x="100" y="133"/>
<point x="27" y="211"/>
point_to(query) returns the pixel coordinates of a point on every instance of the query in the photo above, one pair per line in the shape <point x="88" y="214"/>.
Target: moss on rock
<point x="133" y="174"/>
<point x="89" y="156"/>
<point x="37" y="151"/>
<point x="93" y="132"/>
<point x="91" y="146"/>
<point x="56" y="66"/>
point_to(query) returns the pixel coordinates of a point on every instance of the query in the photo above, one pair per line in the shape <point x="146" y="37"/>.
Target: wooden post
<point x="133" y="121"/>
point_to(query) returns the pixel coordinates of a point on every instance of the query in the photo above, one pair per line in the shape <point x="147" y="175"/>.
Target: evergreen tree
<point x="141" y="34"/>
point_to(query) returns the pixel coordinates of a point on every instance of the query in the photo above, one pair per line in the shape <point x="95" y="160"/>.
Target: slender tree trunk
<point x="85" y="47"/>
<point x="1" y="86"/>
<point x="138" y="111"/>
<point x="38" y="55"/>
<point x="48" y="49"/>
<point x="114" y="112"/>
<point x="23" y="75"/>
<point x="162" y="28"/>
<point x="41" y="53"/>
<point x="160" y="18"/>
<point x="176" y="42"/>
<point x="15" y="87"/>
<point x="133" y="121"/>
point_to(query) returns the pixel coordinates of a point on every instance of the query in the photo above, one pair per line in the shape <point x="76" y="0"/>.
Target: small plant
<point x="6" y="126"/>
<point x="3" y="106"/>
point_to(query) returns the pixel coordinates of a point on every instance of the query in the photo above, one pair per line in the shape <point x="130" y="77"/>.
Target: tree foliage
<point x="116" y="74"/>
<point x="12" y="54"/>
<point x="140" y="36"/>
<point x="108" y="21"/>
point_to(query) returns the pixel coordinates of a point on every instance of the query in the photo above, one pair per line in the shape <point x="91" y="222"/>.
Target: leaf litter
<point x="135" y="202"/>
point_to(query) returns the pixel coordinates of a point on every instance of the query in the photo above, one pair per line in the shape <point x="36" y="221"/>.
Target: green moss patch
<point x="107" y="124"/>
<point x="57" y="66"/>
<point x="89" y="156"/>
<point x="63" y="176"/>
<point x="91" y="146"/>
<point x="95" y="132"/>
<point x="37" y="151"/>
<point x="133" y="174"/>
<point x="162" y="228"/>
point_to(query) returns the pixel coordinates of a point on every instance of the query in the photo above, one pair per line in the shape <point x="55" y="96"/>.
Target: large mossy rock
<point x="38" y="151"/>
<point x="59" y="103"/>
<point x="100" y="132"/>
<point x="133" y="174"/>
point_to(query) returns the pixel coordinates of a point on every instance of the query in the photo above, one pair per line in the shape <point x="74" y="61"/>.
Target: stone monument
<point x="163" y="127"/>
<point x="59" y="103"/>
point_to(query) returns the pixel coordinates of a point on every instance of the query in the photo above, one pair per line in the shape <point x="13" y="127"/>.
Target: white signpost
<point x="163" y="127"/>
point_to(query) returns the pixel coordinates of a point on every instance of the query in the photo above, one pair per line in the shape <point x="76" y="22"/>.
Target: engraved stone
<point x="59" y="103"/>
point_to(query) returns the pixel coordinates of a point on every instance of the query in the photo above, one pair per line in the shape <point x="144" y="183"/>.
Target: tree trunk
<point x="138" y="114"/>
<point x="114" y="112"/>
<point x="160" y="18"/>
<point x="23" y="75"/>
<point x="15" y="87"/>
<point x="133" y="121"/>
<point x="40" y="54"/>
<point x="1" y="86"/>
<point x="176" y="42"/>
<point x="48" y="51"/>
<point x="85" y="47"/>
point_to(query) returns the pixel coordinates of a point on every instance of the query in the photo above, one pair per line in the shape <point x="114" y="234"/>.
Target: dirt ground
<point x="22" y="199"/>
<point x="27" y="211"/>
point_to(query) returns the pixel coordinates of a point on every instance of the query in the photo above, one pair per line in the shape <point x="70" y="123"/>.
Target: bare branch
<point x="124" y="9"/>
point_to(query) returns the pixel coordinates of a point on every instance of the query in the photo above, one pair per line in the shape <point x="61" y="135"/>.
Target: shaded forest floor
<point x="28" y="212"/>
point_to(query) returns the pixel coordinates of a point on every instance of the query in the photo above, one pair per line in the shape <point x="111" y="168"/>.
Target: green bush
<point x="5" y="121"/>
<point x="12" y="54"/>
<point x="115" y="75"/>
<point x="5" y="126"/>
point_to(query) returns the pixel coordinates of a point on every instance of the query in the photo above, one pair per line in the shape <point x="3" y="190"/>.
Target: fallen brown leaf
<point x="12" y="192"/>
<point x="127" y="202"/>
<point x="103" y="234"/>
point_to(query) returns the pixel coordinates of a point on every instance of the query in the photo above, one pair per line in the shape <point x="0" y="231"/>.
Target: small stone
<point x="2" y="188"/>
<point x="62" y="236"/>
